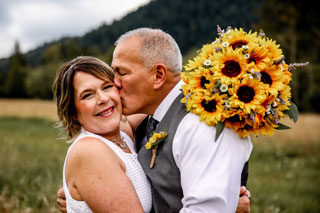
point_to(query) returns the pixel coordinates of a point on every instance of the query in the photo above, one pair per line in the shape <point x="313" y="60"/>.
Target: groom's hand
<point x="61" y="201"/>
<point x="244" y="201"/>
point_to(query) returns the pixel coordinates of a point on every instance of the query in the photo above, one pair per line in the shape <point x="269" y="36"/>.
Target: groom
<point x="192" y="172"/>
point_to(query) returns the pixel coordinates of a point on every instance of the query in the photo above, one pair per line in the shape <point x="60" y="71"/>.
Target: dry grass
<point x="28" y="108"/>
<point x="305" y="130"/>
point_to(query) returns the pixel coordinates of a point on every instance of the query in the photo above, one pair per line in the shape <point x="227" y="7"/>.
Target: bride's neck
<point x="114" y="136"/>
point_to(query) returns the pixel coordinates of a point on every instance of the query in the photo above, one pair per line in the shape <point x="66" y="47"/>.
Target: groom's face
<point x="132" y="78"/>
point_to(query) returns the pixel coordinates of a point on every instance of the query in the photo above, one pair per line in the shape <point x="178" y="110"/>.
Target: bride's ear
<point x="160" y="74"/>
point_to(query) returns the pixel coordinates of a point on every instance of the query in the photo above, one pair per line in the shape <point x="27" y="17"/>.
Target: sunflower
<point x="202" y="61"/>
<point x="201" y="78"/>
<point x="286" y="74"/>
<point x="229" y="65"/>
<point x="238" y="38"/>
<point x="273" y="49"/>
<point x="203" y="55"/>
<point x="236" y="120"/>
<point x="258" y="56"/>
<point x="245" y="131"/>
<point x="248" y="95"/>
<point x="283" y="98"/>
<point x="273" y="79"/>
<point x="266" y="129"/>
<point x="209" y="106"/>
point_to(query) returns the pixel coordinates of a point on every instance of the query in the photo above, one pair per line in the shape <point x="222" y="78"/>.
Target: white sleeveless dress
<point x="133" y="170"/>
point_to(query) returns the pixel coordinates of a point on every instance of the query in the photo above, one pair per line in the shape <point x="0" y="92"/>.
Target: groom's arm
<point x="244" y="201"/>
<point x="61" y="201"/>
<point x="210" y="170"/>
<point x="129" y="123"/>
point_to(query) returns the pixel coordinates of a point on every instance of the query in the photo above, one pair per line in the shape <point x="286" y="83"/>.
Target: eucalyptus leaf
<point x="282" y="127"/>
<point x="219" y="129"/>
<point x="218" y="84"/>
<point x="293" y="112"/>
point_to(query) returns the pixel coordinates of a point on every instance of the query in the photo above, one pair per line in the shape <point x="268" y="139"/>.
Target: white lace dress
<point x="133" y="170"/>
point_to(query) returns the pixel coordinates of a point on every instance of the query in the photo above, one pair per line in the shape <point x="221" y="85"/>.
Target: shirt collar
<point x="167" y="101"/>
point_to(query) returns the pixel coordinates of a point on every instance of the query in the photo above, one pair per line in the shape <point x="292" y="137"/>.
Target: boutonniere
<point x="153" y="143"/>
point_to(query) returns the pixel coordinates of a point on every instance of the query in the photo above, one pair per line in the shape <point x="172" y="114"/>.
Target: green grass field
<point x="284" y="175"/>
<point x="31" y="162"/>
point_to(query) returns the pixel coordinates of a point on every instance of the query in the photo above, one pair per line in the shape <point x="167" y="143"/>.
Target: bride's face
<point x="97" y="103"/>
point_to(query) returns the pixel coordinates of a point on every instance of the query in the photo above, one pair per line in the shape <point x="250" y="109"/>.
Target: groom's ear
<point x="160" y="74"/>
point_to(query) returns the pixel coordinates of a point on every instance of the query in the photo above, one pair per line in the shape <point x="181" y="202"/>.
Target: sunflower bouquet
<point x="240" y="81"/>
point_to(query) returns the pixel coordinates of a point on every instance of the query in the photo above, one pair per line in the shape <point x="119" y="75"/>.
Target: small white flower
<point x="223" y="88"/>
<point x="268" y="110"/>
<point x="227" y="103"/>
<point x="207" y="62"/>
<point x="281" y="67"/>
<point x="225" y="44"/>
<point x="274" y="104"/>
<point x="246" y="56"/>
<point x="258" y="75"/>
<point x="245" y="47"/>
<point x="252" y="71"/>
<point x="251" y="77"/>
<point x="188" y="96"/>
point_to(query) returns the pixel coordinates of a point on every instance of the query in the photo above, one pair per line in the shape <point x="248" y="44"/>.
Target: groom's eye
<point x="122" y="73"/>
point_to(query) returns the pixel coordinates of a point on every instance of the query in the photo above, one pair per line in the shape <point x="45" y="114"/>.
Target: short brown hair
<point x="63" y="89"/>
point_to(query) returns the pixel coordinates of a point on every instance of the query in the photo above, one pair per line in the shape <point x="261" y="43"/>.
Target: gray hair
<point x="157" y="46"/>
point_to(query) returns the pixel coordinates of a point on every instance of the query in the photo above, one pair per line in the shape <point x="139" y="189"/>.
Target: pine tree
<point x="14" y="85"/>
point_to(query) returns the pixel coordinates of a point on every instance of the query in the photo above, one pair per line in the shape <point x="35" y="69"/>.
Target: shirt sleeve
<point x="210" y="170"/>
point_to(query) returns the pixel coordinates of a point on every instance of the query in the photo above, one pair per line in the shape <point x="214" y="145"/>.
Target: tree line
<point x="293" y="24"/>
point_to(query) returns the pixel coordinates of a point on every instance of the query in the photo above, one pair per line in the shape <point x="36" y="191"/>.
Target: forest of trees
<point x="293" y="24"/>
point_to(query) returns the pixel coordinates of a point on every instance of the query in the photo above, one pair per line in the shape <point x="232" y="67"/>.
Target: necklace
<point x="123" y="145"/>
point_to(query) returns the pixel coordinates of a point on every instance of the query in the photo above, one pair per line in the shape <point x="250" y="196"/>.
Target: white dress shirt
<point x="210" y="171"/>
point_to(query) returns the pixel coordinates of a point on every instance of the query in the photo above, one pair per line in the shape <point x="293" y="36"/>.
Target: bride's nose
<point x="102" y="97"/>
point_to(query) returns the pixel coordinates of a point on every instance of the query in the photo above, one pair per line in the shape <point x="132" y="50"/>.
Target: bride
<point x="101" y="172"/>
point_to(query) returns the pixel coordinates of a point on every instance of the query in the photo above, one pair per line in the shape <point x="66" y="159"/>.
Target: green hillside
<point x="294" y="24"/>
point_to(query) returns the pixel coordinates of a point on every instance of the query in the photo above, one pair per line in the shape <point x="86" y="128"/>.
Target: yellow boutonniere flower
<point x="153" y="143"/>
<point x="155" y="139"/>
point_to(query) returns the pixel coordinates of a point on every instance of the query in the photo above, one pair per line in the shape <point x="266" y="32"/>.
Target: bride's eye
<point x="107" y="86"/>
<point x="87" y="95"/>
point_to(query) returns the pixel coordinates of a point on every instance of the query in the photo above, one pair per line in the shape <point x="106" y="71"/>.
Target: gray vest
<point x="165" y="175"/>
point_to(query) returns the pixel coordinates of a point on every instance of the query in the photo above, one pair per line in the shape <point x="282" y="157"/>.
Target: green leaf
<point x="282" y="127"/>
<point x="219" y="127"/>
<point x="218" y="84"/>
<point x="293" y="112"/>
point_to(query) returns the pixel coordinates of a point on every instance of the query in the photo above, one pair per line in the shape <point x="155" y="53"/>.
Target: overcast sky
<point x="33" y="22"/>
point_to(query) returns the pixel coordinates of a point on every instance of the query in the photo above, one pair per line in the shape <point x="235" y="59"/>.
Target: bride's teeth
<point x="106" y="112"/>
